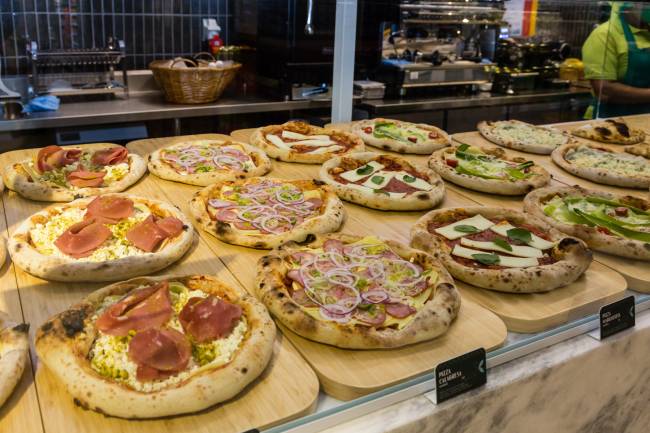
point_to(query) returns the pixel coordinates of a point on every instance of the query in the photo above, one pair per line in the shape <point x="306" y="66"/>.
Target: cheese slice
<point x="517" y="250"/>
<point x="353" y="176"/>
<point x="277" y="141"/>
<point x="506" y="261"/>
<point x="313" y="143"/>
<point x="478" y="221"/>
<point x="328" y="149"/>
<point x="536" y="241"/>
<point x="297" y="136"/>
<point x="418" y="183"/>
<point x="379" y="179"/>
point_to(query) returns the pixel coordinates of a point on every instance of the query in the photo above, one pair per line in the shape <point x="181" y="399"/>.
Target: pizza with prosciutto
<point x="203" y="162"/>
<point x="158" y="346"/>
<point x="265" y="212"/>
<point x="501" y="249"/>
<point x="104" y="238"/>
<point x="383" y="182"/>
<point x="357" y="292"/>
<point x="400" y="136"/>
<point x="302" y="142"/>
<point x="14" y="349"/>
<point x="67" y="173"/>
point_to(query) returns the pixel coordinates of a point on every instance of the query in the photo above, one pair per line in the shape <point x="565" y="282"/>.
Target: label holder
<point x="460" y="374"/>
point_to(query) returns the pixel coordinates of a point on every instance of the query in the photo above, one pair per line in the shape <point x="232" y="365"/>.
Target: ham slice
<point x="86" y="179"/>
<point x="150" y="233"/>
<point x="51" y="157"/>
<point x="146" y="308"/>
<point x="159" y="353"/>
<point x="399" y="310"/>
<point x="206" y="319"/>
<point x="81" y="239"/>
<point x="110" y="208"/>
<point x="171" y="226"/>
<point x="110" y="156"/>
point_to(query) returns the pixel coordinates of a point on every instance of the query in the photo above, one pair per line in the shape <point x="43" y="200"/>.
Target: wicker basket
<point x="192" y="85"/>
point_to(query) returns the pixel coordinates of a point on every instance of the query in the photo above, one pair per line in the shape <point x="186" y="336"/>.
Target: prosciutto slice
<point x="86" y="179"/>
<point x="159" y="353"/>
<point x="150" y="233"/>
<point x="146" y="308"/>
<point x="51" y="157"/>
<point x="110" y="156"/>
<point x="206" y="319"/>
<point x="171" y="226"/>
<point x="81" y="239"/>
<point x="110" y="208"/>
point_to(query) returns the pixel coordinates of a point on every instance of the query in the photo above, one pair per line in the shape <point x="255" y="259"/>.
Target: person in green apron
<point x="617" y="62"/>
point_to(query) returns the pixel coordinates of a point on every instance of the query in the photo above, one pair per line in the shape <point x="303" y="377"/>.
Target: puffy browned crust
<point x="614" y="131"/>
<point x="642" y="149"/>
<point x="597" y="174"/>
<point x="258" y="139"/>
<point x="331" y="217"/>
<point x="633" y="249"/>
<point x="416" y="201"/>
<point x="539" y="178"/>
<point x="64" y="341"/>
<point x="424" y="148"/>
<point x="3" y="250"/>
<point x="487" y="130"/>
<point x="572" y="254"/>
<point x="67" y="268"/>
<point x="430" y="322"/>
<point x="163" y="170"/>
<point x="14" y="349"/>
<point x="17" y="179"/>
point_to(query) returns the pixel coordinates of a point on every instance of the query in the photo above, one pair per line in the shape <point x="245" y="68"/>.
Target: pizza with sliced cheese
<point x="202" y="162"/>
<point x="14" y="350"/>
<point x="265" y="212"/>
<point x="302" y="142"/>
<point x="400" y="136"/>
<point x="522" y="136"/>
<point x="357" y="292"/>
<point x="615" y="131"/>
<point x="158" y="346"/>
<point x="105" y="238"/>
<point x="501" y="249"/>
<point x="66" y="173"/>
<point x="383" y="182"/>
<point x="489" y="170"/>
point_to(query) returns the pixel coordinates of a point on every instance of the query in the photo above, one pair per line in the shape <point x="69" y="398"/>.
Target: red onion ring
<point x="374" y="296"/>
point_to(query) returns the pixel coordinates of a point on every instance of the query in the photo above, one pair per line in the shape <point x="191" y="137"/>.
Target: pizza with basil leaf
<point x="400" y="136"/>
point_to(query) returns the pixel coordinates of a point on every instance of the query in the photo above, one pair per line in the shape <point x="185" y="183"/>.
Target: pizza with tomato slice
<point x="302" y="142"/>
<point x="104" y="238"/>
<point x="203" y="162"/>
<point x="400" y="136"/>
<point x="265" y="212"/>
<point x="501" y="249"/>
<point x="158" y="346"/>
<point x="68" y="173"/>
<point x="357" y="292"/>
<point x="14" y="350"/>
<point x="383" y="182"/>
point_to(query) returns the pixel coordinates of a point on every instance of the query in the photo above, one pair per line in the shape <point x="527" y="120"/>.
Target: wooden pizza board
<point x="256" y="407"/>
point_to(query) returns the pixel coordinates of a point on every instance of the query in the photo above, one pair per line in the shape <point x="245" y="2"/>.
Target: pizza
<point x="642" y="149"/>
<point x="522" y="136"/>
<point x="14" y="350"/>
<point x="612" y="223"/>
<point x="615" y="131"/>
<point x="202" y="162"/>
<point x="67" y="173"/>
<point x="104" y="238"/>
<point x="383" y="182"/>
<point x="3" y="251"/>
<point x="302" y="142"/>
<point x="488" y="170"/>
<point x="501" y="249"/>
<point x="357" y="292"/>
<point x="158" y="346"/>
<point x="602" y="165"/>
<point x="400" y="136"/>
<point x="265" y="212"/>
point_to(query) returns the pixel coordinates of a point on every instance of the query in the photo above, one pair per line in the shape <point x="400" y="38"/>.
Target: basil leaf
<point x="377" y="180"/>
<point x="519" y="234"/>
<point x="486" y="259"/>
<point x="503" y="244"/>
<point x="466" y="228"/>
<point x="366" y="169"/>
<point x="462" y="148"/>
<point x="408" y="179"/>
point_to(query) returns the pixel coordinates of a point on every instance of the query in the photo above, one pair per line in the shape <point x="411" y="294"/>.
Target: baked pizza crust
<point x="430" y="322"/>
<point x="3" y="250"/>
<point x="598" y="241"/>
<point x="539" y="178"/>
<point x="258" y="139"/>
<point x="597" y="174"/>
<point x="63" y="343"/>
<point x="416" y="201"/>
<point x="642" y="149"/>
<point x="573" y="255"/>
<point x="14" y="350"/>
<point x="69" y="269"/>
<point x="163" y="170"/>
<point x="331" y="218"/>
<point x="618" y="132"/>
<point x="487" y="130"/>
<point x="424" y="148"/>
<point x="17" y="179"/>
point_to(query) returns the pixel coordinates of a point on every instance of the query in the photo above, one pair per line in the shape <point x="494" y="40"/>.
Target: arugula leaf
<point x="466" y="228"/>
<point x="622" y="231"/>
<point x="516" y="173"/>
<point x="503" y="244"/>
<point x="486" y="259"/>
<point x="519" y="234"/>
<point x="470" y="172"/>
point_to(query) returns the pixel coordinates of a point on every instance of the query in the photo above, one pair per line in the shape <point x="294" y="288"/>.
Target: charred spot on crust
<point x="603" y="131"/>
<point x="80" y="403"/>
<point x="244" y="370"/>
<point x="149" y="158"/>
<point x="308" y="239"/>
<point x="185" y="227"/>
<point x="566" y="243"/>
<point x="318" y="182"/>
<point x="222" y="228"/>
<point x="23" y="327"/>
<point x="259" y="245"/>
<point x="78" y="196"/>
<point x="19" y="246"/>
<point x="423" y="196"/>
<point x="47" y="326"/>
<point x="622" y="128"/>
<point x="73" y="321"/>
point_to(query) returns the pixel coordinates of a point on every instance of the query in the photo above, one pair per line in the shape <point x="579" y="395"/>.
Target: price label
<point x="617" y="316"/>
<point x="460" y="374"/>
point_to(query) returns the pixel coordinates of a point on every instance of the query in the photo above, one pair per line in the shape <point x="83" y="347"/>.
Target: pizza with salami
<point x="104" y="238"/>
<point x="14" y="350"/>
<point x="202" y="162"/>
<point x="357" y="292"/>
<point x="400" y="136"/>
<point x="383" y="182"/>
<point x="67" y="173"/>
<point x="501" y="249"/>
<point x="265" y="212"/>
<point x="158" y="346"/>
<point x="302" y="142"/>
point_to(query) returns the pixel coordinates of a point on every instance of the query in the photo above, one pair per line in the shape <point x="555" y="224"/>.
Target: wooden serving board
<point x="256" y="407"/>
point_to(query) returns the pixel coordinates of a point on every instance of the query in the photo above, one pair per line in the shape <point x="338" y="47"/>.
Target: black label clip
<point x="460" y="374"/>
<point x="617" y="316"/>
